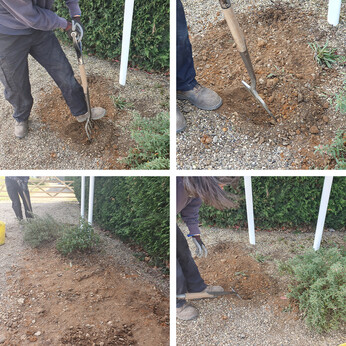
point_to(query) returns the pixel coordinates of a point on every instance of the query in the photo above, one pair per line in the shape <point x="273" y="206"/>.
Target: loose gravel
<point x="231" y="149"/>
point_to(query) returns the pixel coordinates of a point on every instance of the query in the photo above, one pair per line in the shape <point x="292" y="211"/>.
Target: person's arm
<point x="190" y="215"/>
<point x="36" y="17"/>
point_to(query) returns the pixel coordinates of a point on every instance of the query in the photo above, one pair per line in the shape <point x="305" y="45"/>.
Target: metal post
<point x="327" y="186"/>
<point x="125" y="46"/>
<point x="249" y="209"/>
<point x="82" y="198"/>
<point x="91" y="200"/>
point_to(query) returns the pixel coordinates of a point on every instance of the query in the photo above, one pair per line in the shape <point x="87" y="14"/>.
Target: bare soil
<point x="101" y="298"/>
<point x="297" y="90"/>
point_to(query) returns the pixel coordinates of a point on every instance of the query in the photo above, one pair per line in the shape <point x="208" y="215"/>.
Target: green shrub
<point x="151" y="150"/>
<point x="136" y="209"/>
<point x="103" y="24"/>
<point x="319" y="287"/>
<point x="77" y="238"/>
<point x="324" y="55"/>
<point x="41" y="230"/>
<point x="283" y="201"/>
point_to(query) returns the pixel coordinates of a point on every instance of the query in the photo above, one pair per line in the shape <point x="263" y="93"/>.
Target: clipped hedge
<point x="284" y="201"/>
<point x="103" y="24"/>
<point x="136" y="209"/>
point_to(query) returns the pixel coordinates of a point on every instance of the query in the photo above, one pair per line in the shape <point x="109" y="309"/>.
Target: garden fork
<point x="77" y="34"/>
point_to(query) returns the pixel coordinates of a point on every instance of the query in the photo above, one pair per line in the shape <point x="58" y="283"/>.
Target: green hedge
<point x="136" y="209"/>
<point x="284" y="201"/>
<point x="103" y="24"/>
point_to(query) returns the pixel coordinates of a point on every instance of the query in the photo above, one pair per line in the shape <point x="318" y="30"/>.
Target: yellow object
<point x="2" y="233"/>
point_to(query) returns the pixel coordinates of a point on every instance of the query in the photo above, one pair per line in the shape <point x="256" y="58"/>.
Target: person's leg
<point x="25" y="196"/>
<point x="194" y="281"/>
<point x="14" y="74"/>
<point x="47" y="51"/>
<point x="12" y="190"/>
<point x="185" y="68"/>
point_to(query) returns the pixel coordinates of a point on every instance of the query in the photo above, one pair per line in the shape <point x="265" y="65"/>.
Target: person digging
<point x="191" y="192"/>
<point x="187" y="86"/>
<point x="17" y="189"/>
<point x="26" y="27"/>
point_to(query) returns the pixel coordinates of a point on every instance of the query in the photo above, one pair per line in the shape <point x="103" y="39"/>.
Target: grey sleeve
<point x="34" y="16"/>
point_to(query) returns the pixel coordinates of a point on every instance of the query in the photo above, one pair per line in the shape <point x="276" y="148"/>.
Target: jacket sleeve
<point x="37" y="17"/>
<point x="190" y="215"/>
<point x="73" y="7"/>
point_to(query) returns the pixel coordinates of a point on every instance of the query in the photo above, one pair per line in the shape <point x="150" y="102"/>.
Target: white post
<point x="334" y="12"/>
<point x="125" y="46"/>
<point x="249" y="209"/>
<point x="327" y="186"/>
<point x="82" y="198"/>
<point x="91" y="200"/>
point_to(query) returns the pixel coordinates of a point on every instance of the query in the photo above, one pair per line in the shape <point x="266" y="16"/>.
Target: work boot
<point x="211" y="289"/>
<point x="21" y="128"/>
<point x="201" y="97"/>
<point x="181" y="121"/>
<point x="187" y="312"/>
<point x="96" y="113"/>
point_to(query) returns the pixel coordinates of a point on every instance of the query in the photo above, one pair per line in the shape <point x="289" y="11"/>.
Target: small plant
<point x="340" y="99"/>
<point x="121" y="103"/>
<point x="41" y="230"/>
<point x="324" y="55"/>
<point x="336" y="150"/>
<point x="260" y="258"/>
<point x="78" y="238"/>
<point x="152" y="142"/>
<point x="319" y="287"/>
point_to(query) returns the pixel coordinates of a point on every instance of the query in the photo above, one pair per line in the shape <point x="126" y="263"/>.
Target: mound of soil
<point x="288" y="79"/>
<point x="83" y="301"/>
<point x="105" y="142"/>
<point x="230" y="266"/>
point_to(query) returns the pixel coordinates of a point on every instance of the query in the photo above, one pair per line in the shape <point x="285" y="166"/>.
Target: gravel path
<point x="226" y="321"/>
<point x="231" y="149"/>
<point x="34" y="151"/>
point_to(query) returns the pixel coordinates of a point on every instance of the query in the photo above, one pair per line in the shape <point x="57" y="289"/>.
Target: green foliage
<point x="103" y="24"/>
<point x="340" y="98"/>
<point x="78" y="238"/>
<point x="39" y="231"/>
<point x="152" y="143"/>
<point x="283" y="201"/>
<point x="136" y="209"/>
<point x="120" y="102"/>
<point x="319" y="287"/>
<point x="336" y="150"/>
<point x="324" y="55"/>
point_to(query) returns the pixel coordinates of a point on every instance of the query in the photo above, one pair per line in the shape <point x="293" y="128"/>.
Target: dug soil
<point x="106" y="297"/>
<point x="295" y="88"/>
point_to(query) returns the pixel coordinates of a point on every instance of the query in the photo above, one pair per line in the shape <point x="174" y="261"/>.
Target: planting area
<point x="298" y="91"/>
<point x="106" y="297"/>
<point x="264" y="315"/>
<point x="57" y="141"/>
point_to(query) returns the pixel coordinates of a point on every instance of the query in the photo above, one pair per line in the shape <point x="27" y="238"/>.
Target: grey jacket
<point x="21" y="17"/>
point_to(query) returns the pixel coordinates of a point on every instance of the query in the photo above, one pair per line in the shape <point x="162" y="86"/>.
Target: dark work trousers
<point x="185" y="68"/>
<point x="44" y="47"/>
<point x="188" y="277"/>
<point x="15" y="191"/>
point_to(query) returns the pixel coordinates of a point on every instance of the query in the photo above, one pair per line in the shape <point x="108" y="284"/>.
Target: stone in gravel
<point x="314" y="129"/>
<point x="38" y="333"/>
<point x="20" y="301"/>
<point x="261" y="43"/>
<point x="261" y="140"/>
<point x="325" y="119"/>
<point x="272" y="82"/>
<point x="326" y="105"/>
<point x="215" y="139"/>
<point x="300" y="97"/>
<point x="2" y="339"/>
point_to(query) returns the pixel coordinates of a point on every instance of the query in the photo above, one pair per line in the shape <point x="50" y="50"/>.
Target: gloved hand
<point x="201" y="250"/>
<point x="77" y="27"/>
